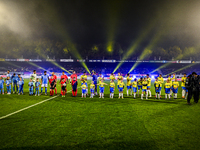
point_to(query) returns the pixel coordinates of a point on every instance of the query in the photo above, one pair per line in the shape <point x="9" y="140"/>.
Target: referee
<point x="193" y="84"/>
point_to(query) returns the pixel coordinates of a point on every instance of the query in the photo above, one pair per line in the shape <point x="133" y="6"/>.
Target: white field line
<point x="30" y="106"/>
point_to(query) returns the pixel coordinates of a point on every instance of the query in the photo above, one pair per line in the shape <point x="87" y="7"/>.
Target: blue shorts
<point x="85" y="84"/>
<point x="92" y="90"/>
<point x="184" y="88"/>
<point x="134" y="89"/>
<point x="139" y="87"/>
<point x="157" y="90"/>
<point x="160" y="88"/>
<point x="129" y="87"/>
<point x="148" y="87"/>
<point x="101" y="89"/>
<point x="175" y="90"/>
<point x="83" y="91"/>
<point x="167" y="90"/>
<point x="144" y="90"/>
<point x="120" y="89"/>
<point x="111" y="90"/>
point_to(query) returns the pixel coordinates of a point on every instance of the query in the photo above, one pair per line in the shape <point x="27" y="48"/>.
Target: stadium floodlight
<point x="188" y="52"/>
<point x="190" y="65"/>
<point x="146" y="30"/>
<point x="56" y="64"/>
<point x="145" y="53"/>
<point x="33" y="64"/>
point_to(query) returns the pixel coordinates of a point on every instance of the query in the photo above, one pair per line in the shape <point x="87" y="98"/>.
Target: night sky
<point x="85" y="22"/>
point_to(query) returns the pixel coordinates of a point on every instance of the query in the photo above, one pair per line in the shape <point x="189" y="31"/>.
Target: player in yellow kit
<point x="161" y="80"/>
<point x="170" y="78"/>
<point x="157" y="88"/>
<point x="139" y="83"/>
<point x="149" y="85"/>
<point x="121" y="88"/>
<point x="119" y="78"/>
<point x="101" y="85"/>
<point x="184" y="90"/>
<point x="167" y="89"/>
<point x="134" y="86"/>
<point x="84" y="79"/>
<point x="129" y="87"/>
<point x="112" y="77"/>
<point x="112" y="88"/>
<point x="175" y="86"/>
<point x="144" y="87"/>
<point x="92" y="86"/>
<point x="100" y="78"/>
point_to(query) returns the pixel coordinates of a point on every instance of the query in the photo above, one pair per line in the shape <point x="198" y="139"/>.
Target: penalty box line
<point x="30" y="106"/>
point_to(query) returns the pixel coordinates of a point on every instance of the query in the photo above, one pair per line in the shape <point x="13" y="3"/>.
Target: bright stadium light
<point x="181" y="68"/>
<point x="138" y="41"/>
<point x="145" y="53"/>
<point x="33" y="64"/>
<point x="56" y="64"/>
<point x="188" y="52"/>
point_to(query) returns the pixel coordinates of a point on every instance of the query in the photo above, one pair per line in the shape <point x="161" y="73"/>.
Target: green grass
<point x="84" y="123"/>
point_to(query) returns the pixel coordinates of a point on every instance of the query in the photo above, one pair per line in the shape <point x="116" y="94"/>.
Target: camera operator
<point x="193" y="84"/>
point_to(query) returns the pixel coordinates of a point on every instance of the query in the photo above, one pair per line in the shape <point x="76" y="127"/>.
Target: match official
<point x="192" y="84"/>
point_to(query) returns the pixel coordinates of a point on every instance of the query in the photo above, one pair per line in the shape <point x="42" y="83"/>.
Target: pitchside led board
<point x="103" y="61"/>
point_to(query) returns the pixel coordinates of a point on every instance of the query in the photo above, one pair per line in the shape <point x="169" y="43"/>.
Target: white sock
<point x="122" y="95"/>
<point x="134" y="95"/>
<point x="160" y="92"/>
<point x="156" y="95"/>
<point x="85" y="95"/>
<point x="82" y="94"/>
<point x="127" y="92"/>
<point x="169" y="95"/>
<point x="149" y="93"/>
<point x="119" y="94"/>
<point x="183" y="93"/>
<point x="146" y="95"/>
<point x="176" y="95"/>
<point x="186" y="95"/>
<point x="141" y="96"/>
<point x="102" y="94"/>
<point x="170" y="92"/>
<point x="131" y="91"/>
<point x="110" y="95"/>
<point x="165" y="95"/>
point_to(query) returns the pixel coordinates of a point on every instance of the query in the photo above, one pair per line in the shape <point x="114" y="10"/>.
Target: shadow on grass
<point x="109" y="101"/>
<point x="126" y="145"/>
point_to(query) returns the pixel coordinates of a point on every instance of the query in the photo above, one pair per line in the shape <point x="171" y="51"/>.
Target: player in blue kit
<point x="8" y="74"/>
<point x="30" y="84"/>
<point x="37" y="88"/>
<point x="94" y="79"/>
<point x="44" y="82"/>
<point x="21" y="86"/>
<point x="8" y="85"/>
<point x="14" y="80"/>
<point x="1" y="85"/>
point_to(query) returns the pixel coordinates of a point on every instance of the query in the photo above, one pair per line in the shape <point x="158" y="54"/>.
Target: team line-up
<point x="133" y="85"/>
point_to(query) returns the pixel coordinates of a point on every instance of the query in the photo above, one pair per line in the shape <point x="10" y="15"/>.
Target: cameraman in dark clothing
<point x="193" y="84"/>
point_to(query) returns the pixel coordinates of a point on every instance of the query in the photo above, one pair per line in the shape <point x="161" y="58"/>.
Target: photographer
<point x="193" y="84"/>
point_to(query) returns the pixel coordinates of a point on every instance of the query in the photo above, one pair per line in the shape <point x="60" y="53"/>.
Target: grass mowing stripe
<point x="29" y="106"/>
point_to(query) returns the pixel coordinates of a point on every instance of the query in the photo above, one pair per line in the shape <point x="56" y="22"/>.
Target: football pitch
<point x="38" y="122"/>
